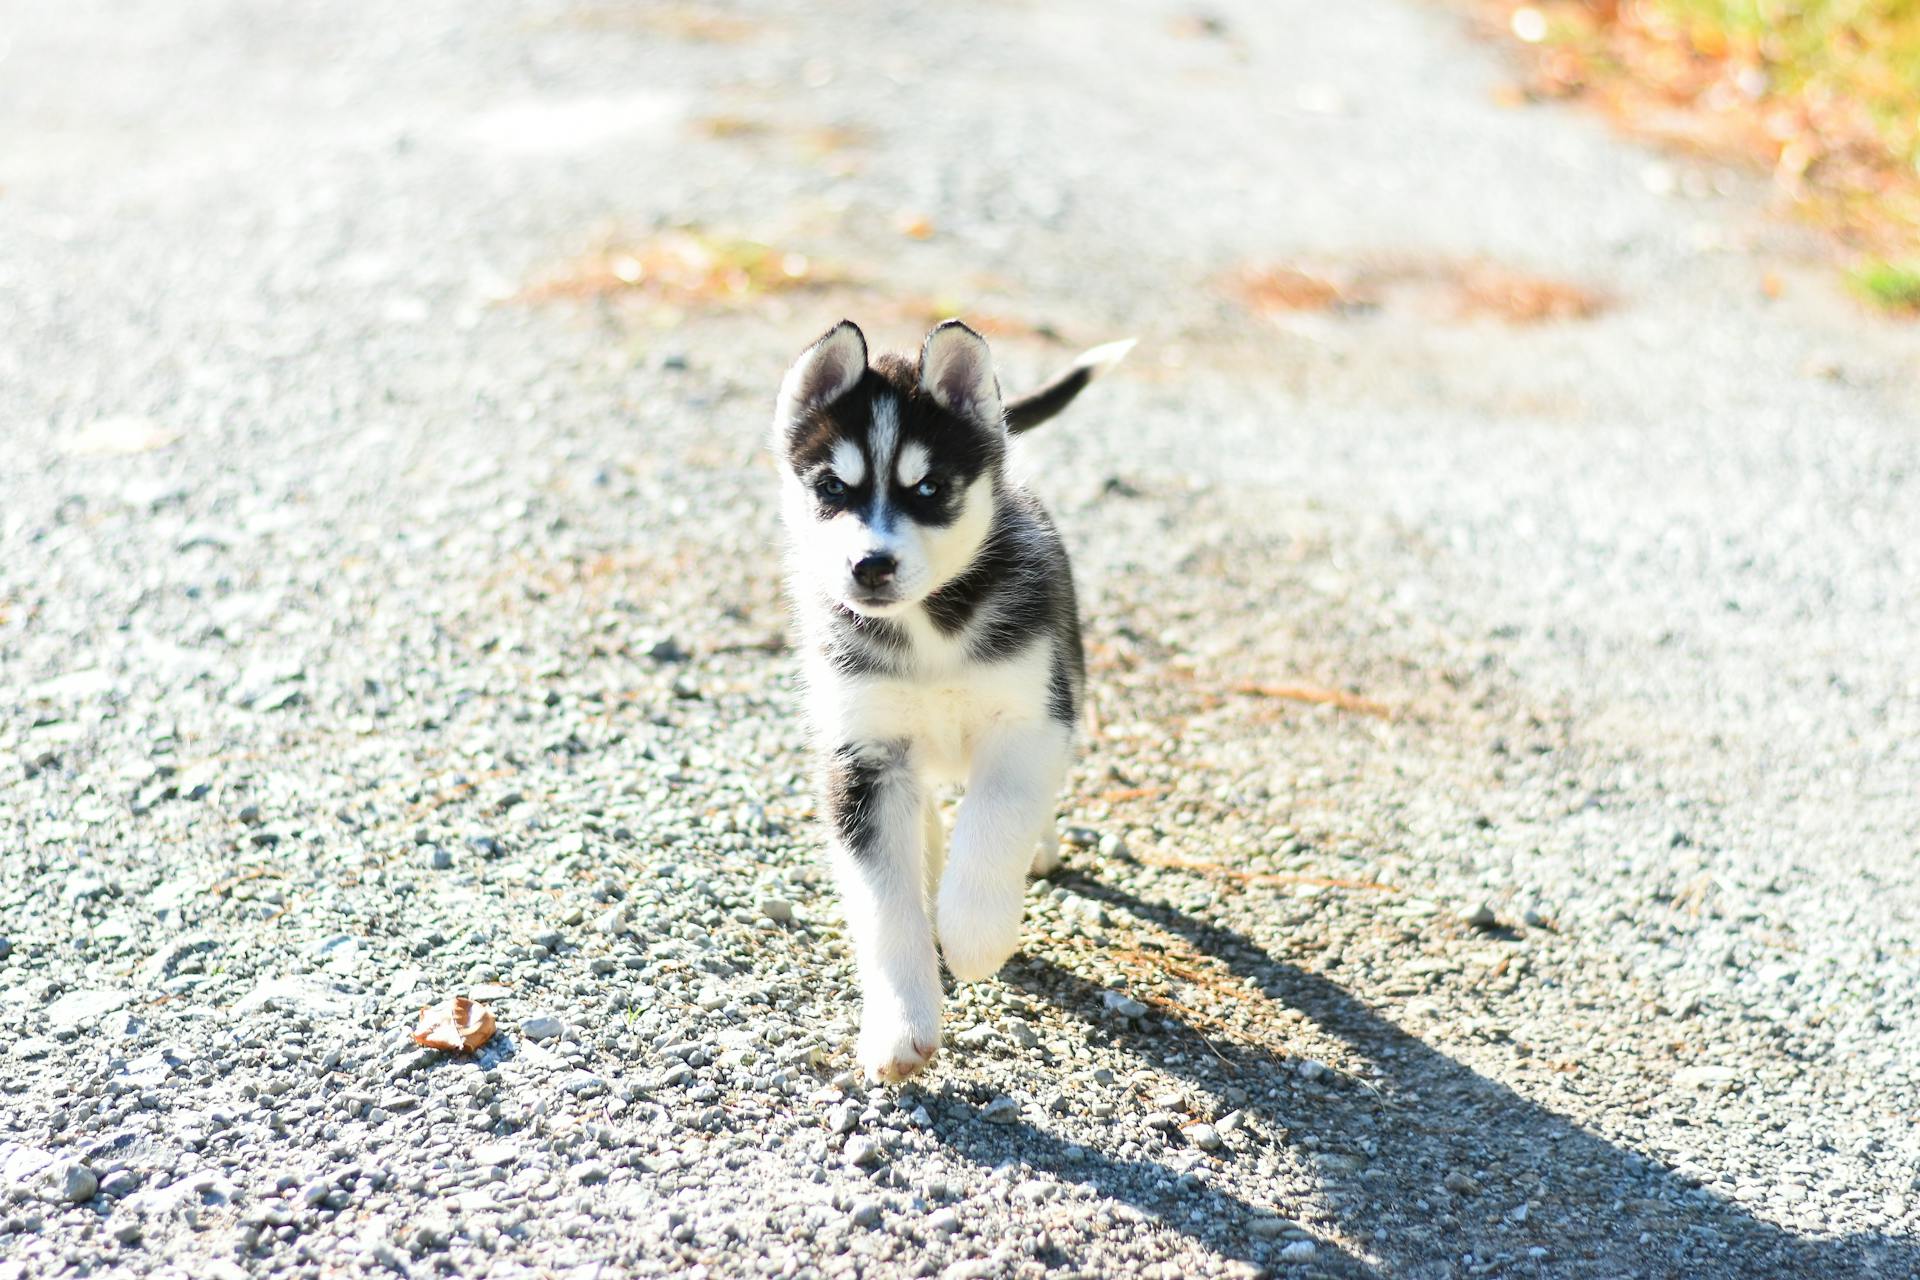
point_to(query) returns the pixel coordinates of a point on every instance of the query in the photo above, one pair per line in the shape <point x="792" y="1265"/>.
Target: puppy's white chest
<point x="950" y="720"/>
<point x="941" y="713"/>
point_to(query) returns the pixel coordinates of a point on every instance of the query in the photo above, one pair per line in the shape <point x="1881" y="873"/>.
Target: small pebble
<point x="120" y="1183"/>
<point x="1000" y="1111"/>
<point x="1204" y="1136"/>
<point x="69" y="1180"/>
<point x="542" y="1026"/>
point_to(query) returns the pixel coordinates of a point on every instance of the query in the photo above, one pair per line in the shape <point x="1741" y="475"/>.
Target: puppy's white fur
<point x="906" y="689"/>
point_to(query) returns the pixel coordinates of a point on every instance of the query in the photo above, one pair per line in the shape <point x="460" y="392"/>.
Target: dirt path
<point x="1501" y="614"/>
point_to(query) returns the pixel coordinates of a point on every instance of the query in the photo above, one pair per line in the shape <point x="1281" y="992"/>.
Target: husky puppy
<point x="941" y="645"/>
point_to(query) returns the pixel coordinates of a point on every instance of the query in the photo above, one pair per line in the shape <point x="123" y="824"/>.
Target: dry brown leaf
<point x="1287" y="289"/>
<point x="1523" y="299"/>
<point x="685" y="268"/>
<point x="1466" y="289"/>
<point x="457" y="1025"/>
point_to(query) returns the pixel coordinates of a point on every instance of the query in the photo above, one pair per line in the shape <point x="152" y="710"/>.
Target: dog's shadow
<point x="1595" y="1208"/>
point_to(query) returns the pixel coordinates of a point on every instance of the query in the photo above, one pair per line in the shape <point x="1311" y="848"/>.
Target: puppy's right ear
<point x="825" y="371"/>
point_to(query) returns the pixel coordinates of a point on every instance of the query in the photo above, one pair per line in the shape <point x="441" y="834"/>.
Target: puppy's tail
<point x="1035" y="407"/>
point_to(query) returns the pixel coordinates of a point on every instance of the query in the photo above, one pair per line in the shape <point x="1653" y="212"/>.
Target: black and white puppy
<point x="941" y="644"/>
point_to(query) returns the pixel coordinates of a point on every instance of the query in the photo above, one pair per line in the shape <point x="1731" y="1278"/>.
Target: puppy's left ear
<point x="825" y="371"/>
<point x="957" y="371"/>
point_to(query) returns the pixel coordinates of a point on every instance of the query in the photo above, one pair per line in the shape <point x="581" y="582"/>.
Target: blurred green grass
<point x="1826" y="93"/>
<point x="1860" y="52"/>
<point x="1865" y="51"/>
<point x="1892" y="285"/>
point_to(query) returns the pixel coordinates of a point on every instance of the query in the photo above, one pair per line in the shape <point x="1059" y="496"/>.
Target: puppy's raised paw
<point x="894" y="1048"/>
<point x="979" y="925"/>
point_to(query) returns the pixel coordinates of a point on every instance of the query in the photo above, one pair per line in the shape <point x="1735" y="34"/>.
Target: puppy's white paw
<point x="1046" y="858"/>
<point x="979" y="925"/>
<point x="895" y="1044"/>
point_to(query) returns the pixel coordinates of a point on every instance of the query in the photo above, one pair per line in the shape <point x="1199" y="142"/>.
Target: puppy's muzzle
<point x="875" y="570"/>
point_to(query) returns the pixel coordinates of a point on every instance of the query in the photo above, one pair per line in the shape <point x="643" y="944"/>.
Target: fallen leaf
<point x="683" y="268"/>
<point x="1286" y="289"/>
<point x="1518" y="298"/>
<point x="457" y="1025"/>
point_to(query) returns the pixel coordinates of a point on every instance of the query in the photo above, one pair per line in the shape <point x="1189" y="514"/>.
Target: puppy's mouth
<point x="874" y="604"/>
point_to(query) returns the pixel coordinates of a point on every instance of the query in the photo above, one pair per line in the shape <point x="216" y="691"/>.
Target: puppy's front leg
<point x="1011" y="791"/>
<point x="874" y="804"/>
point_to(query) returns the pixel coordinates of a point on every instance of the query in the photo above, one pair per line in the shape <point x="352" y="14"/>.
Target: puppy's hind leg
<point x="876" y="807"/>
<point x="1046" y="856"/>
<point x="1011" y="788"/>
<point x="936" y="837"/>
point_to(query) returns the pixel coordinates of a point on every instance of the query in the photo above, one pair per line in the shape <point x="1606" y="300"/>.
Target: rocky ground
<point x="1496" y="850"/>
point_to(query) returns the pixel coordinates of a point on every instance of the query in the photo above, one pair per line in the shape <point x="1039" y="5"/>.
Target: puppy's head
<point x="889" y="469"/>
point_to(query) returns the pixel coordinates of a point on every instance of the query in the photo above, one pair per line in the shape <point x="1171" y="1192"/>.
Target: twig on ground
<point x="1169" y="863"/>
<point x="227" y="886"/>
<point x="1318" y="697"/>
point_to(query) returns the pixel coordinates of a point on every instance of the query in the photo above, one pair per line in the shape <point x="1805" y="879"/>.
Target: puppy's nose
<point x="875" y="569"/>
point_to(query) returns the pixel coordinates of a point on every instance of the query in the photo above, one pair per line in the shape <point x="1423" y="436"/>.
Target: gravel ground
<point x="1497" y="851"/>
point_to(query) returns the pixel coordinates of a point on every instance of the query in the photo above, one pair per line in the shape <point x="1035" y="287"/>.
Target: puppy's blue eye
<point x="928" y="488"/>
<point x="834" y="487"/>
